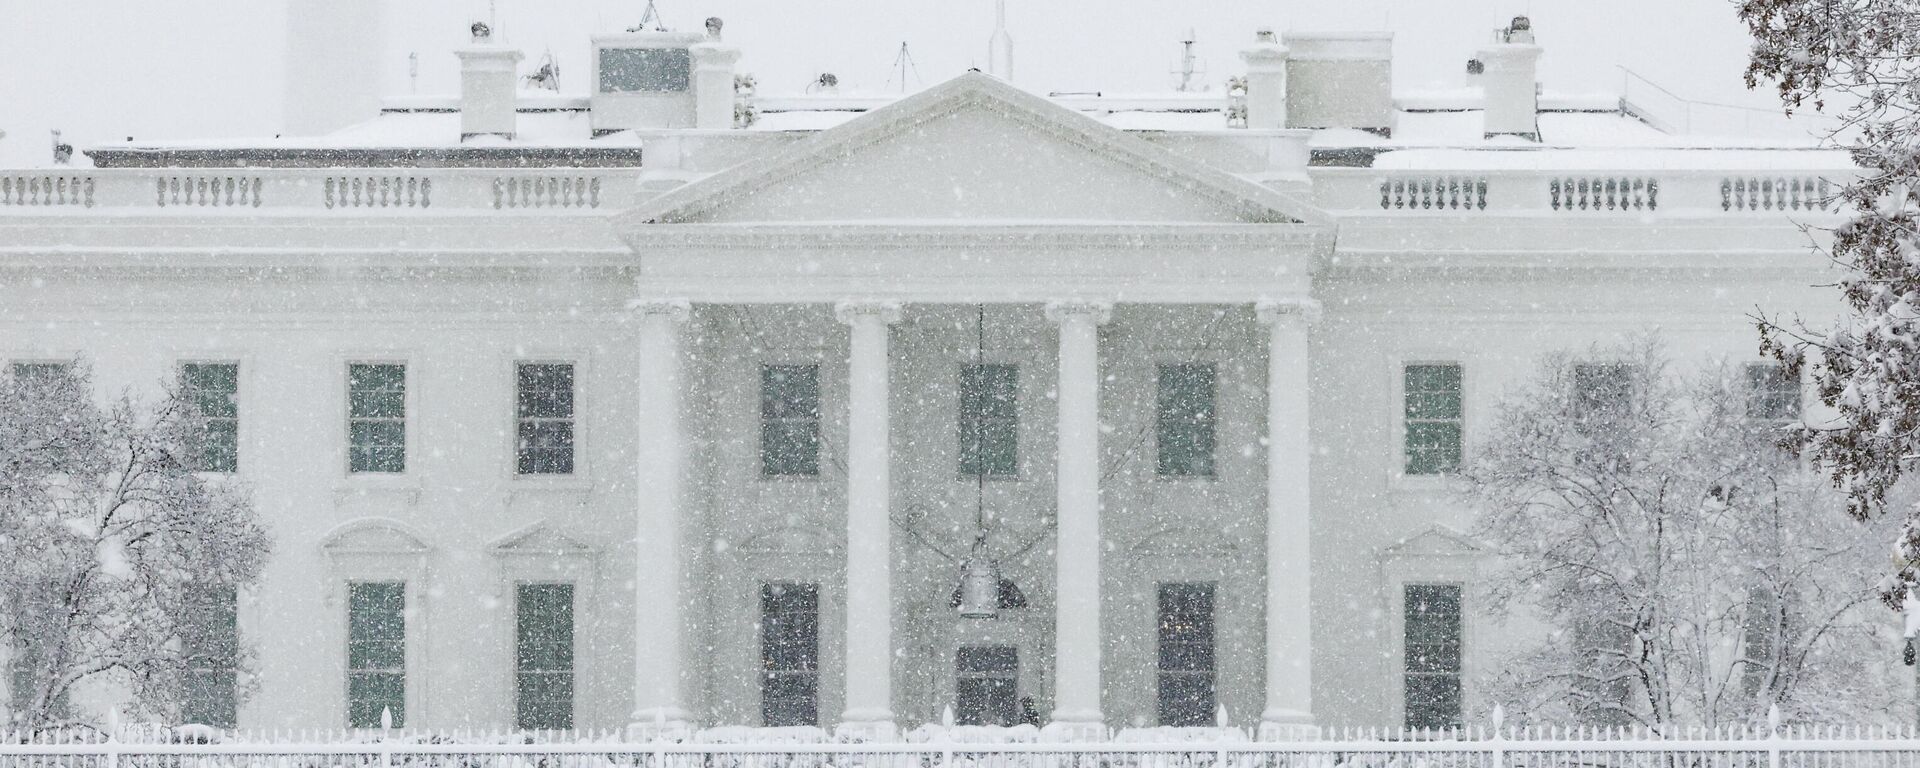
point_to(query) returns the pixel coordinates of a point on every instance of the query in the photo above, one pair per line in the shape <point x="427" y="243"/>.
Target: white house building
<point x="683" y="405"/>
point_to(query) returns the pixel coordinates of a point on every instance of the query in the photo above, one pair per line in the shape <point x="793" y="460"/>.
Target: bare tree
<point x="1858" y="61"/>
<point x="107" y="536"/>
<point x="1688" y="570"/>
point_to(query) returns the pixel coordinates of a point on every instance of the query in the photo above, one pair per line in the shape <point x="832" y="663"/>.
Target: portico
<point x="1231" y="244"/>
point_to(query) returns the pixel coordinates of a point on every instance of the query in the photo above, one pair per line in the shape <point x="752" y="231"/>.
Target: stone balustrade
<point x="1351" y="191"/>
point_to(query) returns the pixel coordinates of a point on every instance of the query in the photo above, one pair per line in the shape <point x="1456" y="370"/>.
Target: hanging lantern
<point x="979" y="584"/>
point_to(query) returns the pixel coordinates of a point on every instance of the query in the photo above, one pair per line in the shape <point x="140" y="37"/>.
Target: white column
<point x="1077" y="635"/>
<point x="660" y="615"/>
<point x="1289" y="712"/>
<point x="869" y="714"/>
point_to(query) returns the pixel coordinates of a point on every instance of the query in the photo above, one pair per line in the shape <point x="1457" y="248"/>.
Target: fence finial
<point x="946" y="716"/>
<point x="1499" y="718"/>
<point x="113" y="722"/>
<point x="386" y="718"/>
<point x="1773" y="719"/>
<point x="1220" y="717"/>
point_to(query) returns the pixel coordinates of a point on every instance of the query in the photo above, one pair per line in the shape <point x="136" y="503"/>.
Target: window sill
<point x="1401" y="481"/>
<point x="1187" y="479"/>
<point x="578" y="481"/>
<point x="812" y="479"/>
<point x="366" y="484"/>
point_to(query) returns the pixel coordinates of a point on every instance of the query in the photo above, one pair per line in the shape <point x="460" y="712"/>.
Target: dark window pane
<point x="987" y="685"/>
<point x="790" y="420"/>
<point x="989" y="420"/>
<point x="789" y="654"/>
<point x="377" y="411"/>
<point x="1602" y="390"/>
<point x="544" y="655"/>
<point x="1433" y="701"/>
<point x="376" y="652"/>
<point x="211" y="391"/>
<point x="653" y="70"/>
<point x="1772" y="395"/>
<point x="1433" y="419"/>
<point x="1186" y="419"/>
<point x="1187" y="660"/>
<point x="1433" y="655"/>
<point x="210" y="641"/>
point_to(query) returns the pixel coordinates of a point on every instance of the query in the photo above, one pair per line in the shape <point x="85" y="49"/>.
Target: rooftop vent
<point x="1340" y="80"/>
<point x="658" y="79"/>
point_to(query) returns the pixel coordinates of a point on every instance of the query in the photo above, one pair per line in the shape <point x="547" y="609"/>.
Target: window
<point x="42" y="373"/>
<point x="789" y="654"/>
<point x="789" y="420"/>
<point x="376" y="653"/>
<point x="1186" y="417"/>
<point x="1772" y="395"/>
<point x="1433" y="655"/>
<point x="1434" y="419"/>
<point x="544" y="656"/>
<point x="1186" y="655"/>
<point x="377" y="417"/>
<point x="989" y="420"/>
<point x="655" y="70"/>
<point x="212" y="390"/>
<point x="544" y="443"/>
<point x="1602" y="391"/>
<point x="210" y="639"/>
<point x="987" y="685"/>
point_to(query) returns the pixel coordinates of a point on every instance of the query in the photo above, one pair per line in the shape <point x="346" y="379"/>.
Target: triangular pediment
<point x="1436" y="541"/>
<point x="540" y="539"/>
<point x="974" y="149"/>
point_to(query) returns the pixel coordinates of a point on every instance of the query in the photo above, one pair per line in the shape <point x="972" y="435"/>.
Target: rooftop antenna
<point x="1000" y="46"/>
<point x="1190" y="65"/>
<point x="902" y="63"/>
<point x="652" y="14"/>
<point x="547" y="77"/>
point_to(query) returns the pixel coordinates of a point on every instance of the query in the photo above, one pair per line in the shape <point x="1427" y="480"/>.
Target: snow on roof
<point x="1643" y="158"/>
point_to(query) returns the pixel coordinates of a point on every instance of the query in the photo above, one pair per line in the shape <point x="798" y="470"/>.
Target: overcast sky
<point x="161" y="69"/>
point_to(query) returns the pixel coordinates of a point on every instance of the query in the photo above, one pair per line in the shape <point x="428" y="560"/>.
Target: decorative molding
<point x="1290" y="310"/>
<point x="851" y="311"/>
<point x="674" y="310"/>
<point x="1069" y="310"/>
<point x="1250" y="200"/>
<point x="374" y="536"/>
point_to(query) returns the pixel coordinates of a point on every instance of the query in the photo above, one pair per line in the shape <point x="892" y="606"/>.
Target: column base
<point x="1077" y="731"/>
<point x="866" y="731"/>
<point x="664" y="724"/>
<point x="1287" y="725"/>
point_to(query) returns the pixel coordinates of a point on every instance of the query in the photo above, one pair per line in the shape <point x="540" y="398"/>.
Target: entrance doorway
<point x="987" y="679"/>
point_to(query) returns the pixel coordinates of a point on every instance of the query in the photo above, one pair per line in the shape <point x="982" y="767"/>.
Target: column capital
<point x="850" y="311"/>
<point x="1276" y="311"/>
<point x="1063" y="310"/>
<point x="677" y="310"/>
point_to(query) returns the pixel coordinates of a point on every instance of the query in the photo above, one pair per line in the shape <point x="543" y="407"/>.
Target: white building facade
<point x="679" y="406"/>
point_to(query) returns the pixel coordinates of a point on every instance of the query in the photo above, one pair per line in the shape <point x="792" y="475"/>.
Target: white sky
<point x="169" y="69"/>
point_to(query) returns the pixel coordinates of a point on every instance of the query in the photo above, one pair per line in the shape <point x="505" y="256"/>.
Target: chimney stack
<point x="713" y="79"/>
<point x="1266" y="81"/>
<point x="1508" y="80"/>
<point x="489" y="76"/>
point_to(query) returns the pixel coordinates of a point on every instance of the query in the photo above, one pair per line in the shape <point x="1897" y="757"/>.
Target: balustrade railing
<point x="46" y="190"/>
<point x="1582" y="194"/>
<point x="1736" y="747"/>
<point x="1434" y="193"/>
<point x="1587" y="194"/>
